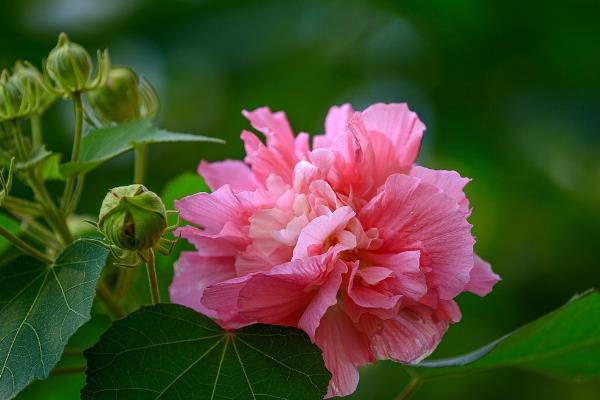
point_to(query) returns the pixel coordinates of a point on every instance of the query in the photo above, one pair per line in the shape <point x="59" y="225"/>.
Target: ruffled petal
<point x="213" y="210"/>
<point x="344" y="349"/>
<point x="408" y="338"/>
<point x="336" y="124"/>
<point x="232" y="172"/>
<point x="314" y="235"/>
<point x="278" y="296"/>
<point x="413" y="215"/>
<point x="449" y="182"/>
<point x="482" y="279"/>
<point x="193" y="274"/>
<point x="400" y="125"/>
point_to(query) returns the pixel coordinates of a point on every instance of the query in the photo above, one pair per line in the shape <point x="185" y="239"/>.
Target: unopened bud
<point x="69" y="68"/>
<point x="13" y="100"/>
<point x="132" y="217"/>
<point x="124" y="97"/>
<point x="31" y="81"/>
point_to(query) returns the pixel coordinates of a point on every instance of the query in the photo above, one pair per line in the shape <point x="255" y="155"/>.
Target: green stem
<point x="153" y="277"/>
<point x="25" y="247"/>
<point x="411" y="388"/>
<point x="139" y="173"/>
<point x="16" y="129"/>
<point x="76" y="194"/>
<point x="52" y="214"/>
<point x="68" y="192"/>
<point x="113" y="306"/>
<point x="22" y="206"/>
<point x="36" y="131"/>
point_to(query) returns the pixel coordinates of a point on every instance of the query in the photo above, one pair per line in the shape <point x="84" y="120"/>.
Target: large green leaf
<point x="169" y="351"/>
<point x="40" y="308"/>
<point x="102" y="144"/>
<point x="67" y="386"/>
<point x="564" y="344"/>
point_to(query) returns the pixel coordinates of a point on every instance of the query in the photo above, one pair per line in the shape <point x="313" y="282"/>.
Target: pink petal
<point x="274" y="126"/>
<point x="482" y="278"/>
<point x="314" y="235"/>
<point x="193" y="273"/>
<point x="230" y="241"/>
<point x="400" y="125"/>
<point x="409" y="337"/>
<point x="407" y="279"/>
<point x="278" y="296"/>
<point x="335" y="125"/>
<point x="344" y="349"/>
<point x="373" y="275"/>
<point x="449" y="182"/>
<point x="325" y="298"/>
<point x="449" y="311"/>
<point x="413" y="215"/>
<point x="232" y="172"/>
<point x="212" y="211"/>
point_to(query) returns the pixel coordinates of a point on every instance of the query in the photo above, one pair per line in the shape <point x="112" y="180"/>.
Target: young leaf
<point x="102" y="144"/>
<point x="40" y="308"/>
<point x="168" y="351"/>
<point x="564" y="343"/>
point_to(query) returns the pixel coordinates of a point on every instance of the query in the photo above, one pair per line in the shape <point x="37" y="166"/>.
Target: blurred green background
<point x="509" y="91"/>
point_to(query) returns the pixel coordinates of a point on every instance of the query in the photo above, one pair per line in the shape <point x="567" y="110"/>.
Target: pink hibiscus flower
<point x="350" y="241"/>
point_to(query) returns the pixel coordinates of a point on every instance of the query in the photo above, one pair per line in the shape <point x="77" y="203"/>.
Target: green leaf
<point x="37" y="156"/>
<point x="67" y="386"/>
<point x="40" y="308"/>
<point x="12" y="226"/>
<point x="102" y="144"/>
<point x="564" y="344"/>
<point x="50" y="168"/>
<point x="168" y="351"/>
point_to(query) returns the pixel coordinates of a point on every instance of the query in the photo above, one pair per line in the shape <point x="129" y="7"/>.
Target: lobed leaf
<point x="168" y="351"/>
<point x="102" y="144"/>
<point x="40" y="308"/>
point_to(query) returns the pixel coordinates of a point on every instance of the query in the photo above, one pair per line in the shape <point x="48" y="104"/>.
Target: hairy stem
<point x="153" y="277"/>
<point x="68" y="192"/>
<point x="25" y="247"/>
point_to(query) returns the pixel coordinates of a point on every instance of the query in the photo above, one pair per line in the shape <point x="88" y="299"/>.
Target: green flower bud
<point x="132" y="217"/>
<point x="68" y="68"/>
<point x="123" y="98"/>
<point x="30" y="79"/>
<point x="14" y="102"/>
